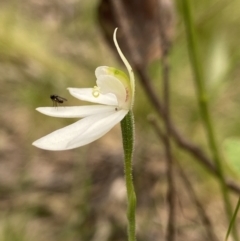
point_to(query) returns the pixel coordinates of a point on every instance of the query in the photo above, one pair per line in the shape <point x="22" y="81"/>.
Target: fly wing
<point x="61" y="99"/>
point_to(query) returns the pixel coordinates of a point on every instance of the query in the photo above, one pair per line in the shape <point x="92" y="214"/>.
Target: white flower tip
<point x="36" y="144"/>
<point x="44" y="110"/>
<point x="115" y="32"/>
<point x="45" y="147"/>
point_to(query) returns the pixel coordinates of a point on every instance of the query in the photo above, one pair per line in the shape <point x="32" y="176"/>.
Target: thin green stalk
<point x="127" y="126"/>
<point x="203" y="105"/>
<point x="233" y="219"/>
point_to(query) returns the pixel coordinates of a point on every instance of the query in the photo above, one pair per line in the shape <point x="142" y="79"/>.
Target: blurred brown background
<point x="47" y="46"/>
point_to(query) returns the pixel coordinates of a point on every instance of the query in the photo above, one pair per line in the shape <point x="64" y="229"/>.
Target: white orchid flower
<point x="114" y="94"/>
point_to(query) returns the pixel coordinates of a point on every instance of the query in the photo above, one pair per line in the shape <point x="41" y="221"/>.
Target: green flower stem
<point x="203" y="105"/>
<point x="127" y="126"/>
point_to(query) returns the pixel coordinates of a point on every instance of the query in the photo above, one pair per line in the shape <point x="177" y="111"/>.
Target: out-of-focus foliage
<point x="220" y="59"/>
<point x="232" y="152"/>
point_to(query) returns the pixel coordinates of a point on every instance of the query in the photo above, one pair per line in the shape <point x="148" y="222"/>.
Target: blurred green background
<point x="47" y="46"/>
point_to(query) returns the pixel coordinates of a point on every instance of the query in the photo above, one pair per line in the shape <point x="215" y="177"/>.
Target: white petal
<point x="110" y="84"/>
<point x="86" y="95"/>
<point x="75" y="111"/>
<point x="81" y="132"/>
<point x="98" y="129"/>
<point x="101" y="70"/>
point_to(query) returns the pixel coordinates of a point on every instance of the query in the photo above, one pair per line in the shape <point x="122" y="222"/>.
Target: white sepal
<point x="81" y="132"/>
<point x="128" y="66"/>
<point x="75" y="111"/>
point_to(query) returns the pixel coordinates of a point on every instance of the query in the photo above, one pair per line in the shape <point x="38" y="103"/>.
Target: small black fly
<point x="57" y="100"/>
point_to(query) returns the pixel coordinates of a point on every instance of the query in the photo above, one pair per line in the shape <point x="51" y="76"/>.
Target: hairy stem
<point x="127" y="126"/>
